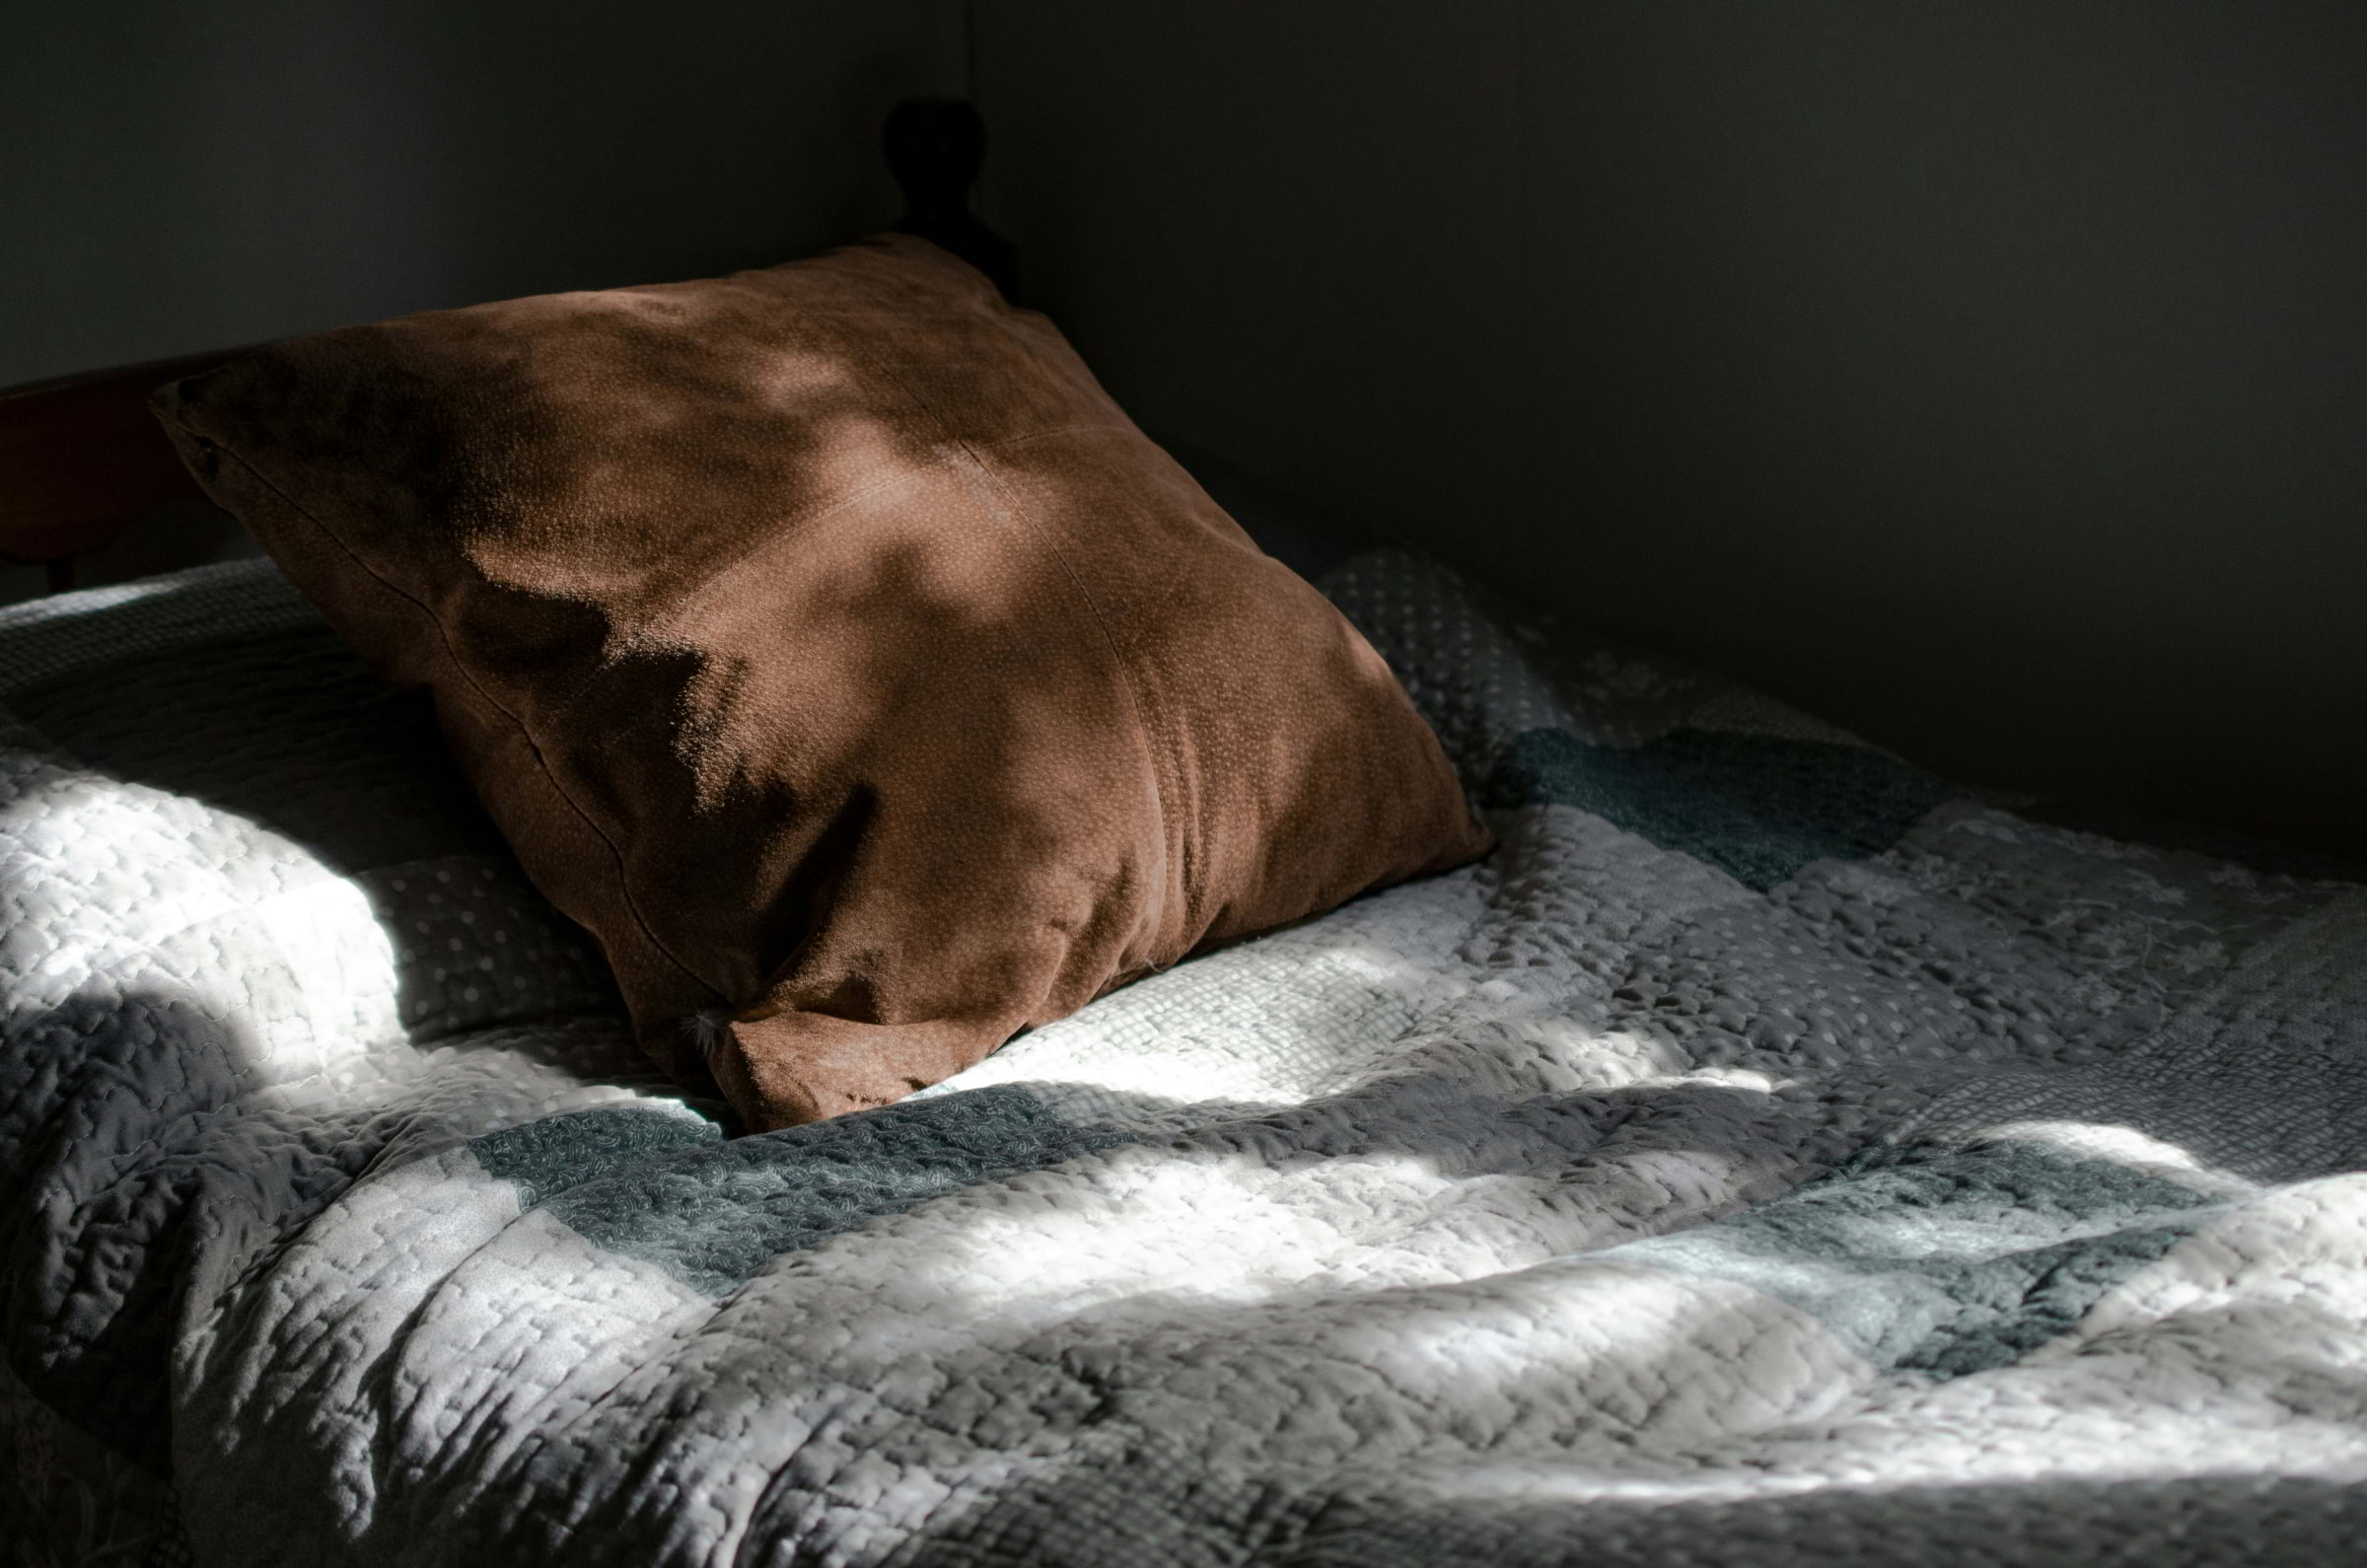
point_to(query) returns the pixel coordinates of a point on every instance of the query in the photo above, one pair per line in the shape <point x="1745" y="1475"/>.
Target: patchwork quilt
<point x="1771" y="1154"/>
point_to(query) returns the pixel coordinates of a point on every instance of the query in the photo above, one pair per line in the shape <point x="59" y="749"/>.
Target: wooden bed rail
<point x="81" y="456"/>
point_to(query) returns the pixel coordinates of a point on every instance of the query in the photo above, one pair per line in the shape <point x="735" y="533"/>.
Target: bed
<point x="1770" y="1153"/>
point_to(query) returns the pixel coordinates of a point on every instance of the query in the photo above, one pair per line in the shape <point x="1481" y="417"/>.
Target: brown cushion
<point x="829" y="646"/>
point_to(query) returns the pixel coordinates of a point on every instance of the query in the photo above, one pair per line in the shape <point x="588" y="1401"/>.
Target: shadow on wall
<point x="1987" y="377"/>
<point x="197" y="176"/>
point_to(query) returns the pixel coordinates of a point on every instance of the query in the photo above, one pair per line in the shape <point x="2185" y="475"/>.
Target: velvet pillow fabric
<point x="828" y="644"/>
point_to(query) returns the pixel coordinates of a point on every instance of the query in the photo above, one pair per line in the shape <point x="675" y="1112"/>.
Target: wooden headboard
<point x="81" y="456"/>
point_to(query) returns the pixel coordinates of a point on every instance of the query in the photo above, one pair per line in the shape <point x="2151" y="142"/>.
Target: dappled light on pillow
<point x="826" y="643"/>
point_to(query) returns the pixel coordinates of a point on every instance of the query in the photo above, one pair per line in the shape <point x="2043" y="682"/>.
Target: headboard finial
<point x="934" y="148"/>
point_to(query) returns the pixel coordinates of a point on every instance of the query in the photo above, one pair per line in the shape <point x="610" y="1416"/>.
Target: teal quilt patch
<point x="1758" y="808"/>
<point x="715" y="1213"/>
<point x="1946" y="1261"/>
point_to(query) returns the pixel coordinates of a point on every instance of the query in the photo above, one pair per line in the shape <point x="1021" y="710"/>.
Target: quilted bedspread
<point x="1772" y="1155"/>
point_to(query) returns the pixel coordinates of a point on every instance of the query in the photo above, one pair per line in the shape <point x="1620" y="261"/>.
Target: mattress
<point x="1773" y="1153"/>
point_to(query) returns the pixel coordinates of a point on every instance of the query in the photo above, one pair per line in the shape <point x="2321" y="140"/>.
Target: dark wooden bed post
<point x="935" y="147"/>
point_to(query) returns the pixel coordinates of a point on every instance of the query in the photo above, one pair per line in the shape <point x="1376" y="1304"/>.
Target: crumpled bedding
<point x="1772" y="1154"/>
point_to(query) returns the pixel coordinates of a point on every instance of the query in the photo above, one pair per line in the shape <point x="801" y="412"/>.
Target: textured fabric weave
<point x="1966" y="1192"/>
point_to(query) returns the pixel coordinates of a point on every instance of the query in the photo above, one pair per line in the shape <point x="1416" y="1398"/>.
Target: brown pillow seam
<point x="443" y="639"/>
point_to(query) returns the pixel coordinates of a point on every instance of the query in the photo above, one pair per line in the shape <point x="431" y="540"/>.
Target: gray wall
<point x="180" y="177"/>
<point x="1990" y="376"/>
<point x="176" y="177"/>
